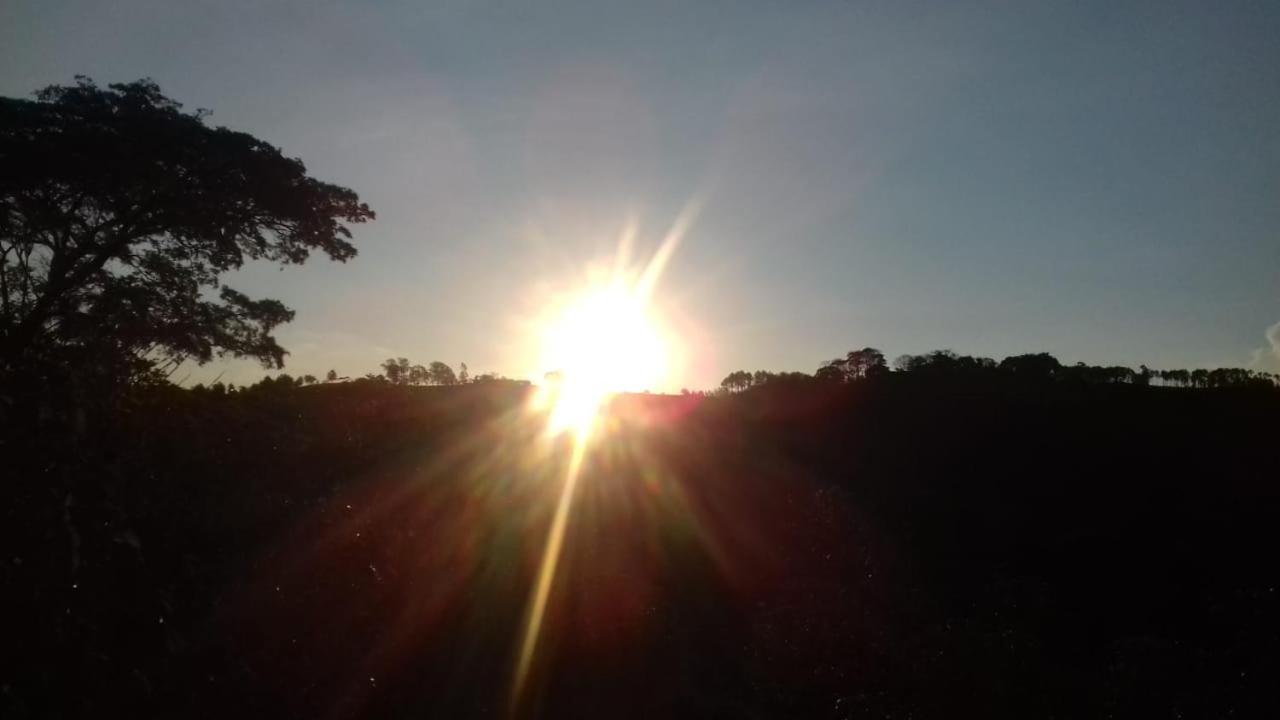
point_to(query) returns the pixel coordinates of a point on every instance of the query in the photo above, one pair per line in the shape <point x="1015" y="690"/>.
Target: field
<point x="901" y="547"/>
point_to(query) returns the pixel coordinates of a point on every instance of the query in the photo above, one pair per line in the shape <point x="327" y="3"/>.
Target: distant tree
<point x="396" y="370"/>
<point x="865" y="363"/>
<point x="1032" y="365"/>
<point x="736" y="381"/>
<point x="496" y="379"/>
<point x="856" y="365"/>
<point x="279" y="383"/>
<point x="944" y="362"/>
<point x="441" y="374"/>
<point x="417" y="375"/>
<point x="1143" y="376"/>
<point x="331" y="376"/>
<point x="831" y="371"/>
<point x="308" y="379"/>
<point x="119" y="215"/>
<point x="464" y="377"/>
<point x="908" y="363"/>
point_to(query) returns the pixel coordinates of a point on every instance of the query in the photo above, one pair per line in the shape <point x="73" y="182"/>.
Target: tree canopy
<point x="119" y="214"/>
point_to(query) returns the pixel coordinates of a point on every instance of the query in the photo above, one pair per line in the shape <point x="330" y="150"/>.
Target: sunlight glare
<point x="608" y="338"/>
<point x="602" y="342"/>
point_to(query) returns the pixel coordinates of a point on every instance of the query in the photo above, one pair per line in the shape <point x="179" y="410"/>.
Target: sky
<point x="1098" y="180"/>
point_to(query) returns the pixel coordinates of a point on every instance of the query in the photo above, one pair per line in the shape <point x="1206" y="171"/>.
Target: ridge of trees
<point x="869" y="363"/>
<point x="395" y="371"/>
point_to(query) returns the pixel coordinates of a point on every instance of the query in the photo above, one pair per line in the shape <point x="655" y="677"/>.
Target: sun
<point x="601" y="341"/>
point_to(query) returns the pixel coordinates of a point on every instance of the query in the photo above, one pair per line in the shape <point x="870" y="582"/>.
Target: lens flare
<point x="603" y="342"/>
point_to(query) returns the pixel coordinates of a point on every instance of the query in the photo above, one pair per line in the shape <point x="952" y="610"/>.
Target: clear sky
<point x="1100" y="180"/>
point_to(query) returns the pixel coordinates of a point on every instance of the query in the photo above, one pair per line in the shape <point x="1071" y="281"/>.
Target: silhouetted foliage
<point x="119" y="214"/>
<point x="857" y="365"/>
<point x="441" y="374"/>
<point x="943" y="362"/>
<point x="400" y="372"/>
<point x="397" y="370"/>
<point x="736" y="381"/>
<point x="1037" y="366"/>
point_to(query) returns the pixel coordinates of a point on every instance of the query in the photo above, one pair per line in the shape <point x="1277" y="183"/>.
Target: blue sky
<point x="1096" y="180"/>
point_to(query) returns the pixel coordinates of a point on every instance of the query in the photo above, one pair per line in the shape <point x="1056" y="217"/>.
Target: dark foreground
<point x="905" y="548"/>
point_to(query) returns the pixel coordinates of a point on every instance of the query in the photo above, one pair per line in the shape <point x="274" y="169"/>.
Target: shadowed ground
<point x="900" y="547"/>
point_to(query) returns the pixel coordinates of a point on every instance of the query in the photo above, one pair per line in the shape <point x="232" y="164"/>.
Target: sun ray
<point x="547" y="569"/>
<point x="600" y="342"/>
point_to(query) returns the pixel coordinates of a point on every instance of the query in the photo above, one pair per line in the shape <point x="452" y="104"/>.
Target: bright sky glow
<point x="605" y="341"/>
<point x="607" y="338"/>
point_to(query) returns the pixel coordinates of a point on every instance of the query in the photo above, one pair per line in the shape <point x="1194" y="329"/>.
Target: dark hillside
<point x="905" y="546"/>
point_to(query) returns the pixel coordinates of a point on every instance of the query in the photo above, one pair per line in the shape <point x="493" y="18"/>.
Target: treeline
<point x="399" y="371"/>
<point x="395" y="371"/>
<point x="870" y="363"/>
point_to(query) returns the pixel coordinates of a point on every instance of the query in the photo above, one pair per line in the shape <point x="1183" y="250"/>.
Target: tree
<point x="441" y="374"/>
<point x="331" y="376"/>
<point x="119" y="215"/>
<point x="865" y="363"/>
<point x="417" y="375"/>
<point x="908" y="363"/>
<point x="1031" y="365"/>
<point x="736" y="381"/>
<point x="831" y="371"/>
<point x="463" y="376"/>
<point x="944" y="362"/>
<point x="396" y="370"/>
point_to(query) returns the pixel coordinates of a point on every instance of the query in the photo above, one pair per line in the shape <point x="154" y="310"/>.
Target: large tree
<point x="119" y="215"/>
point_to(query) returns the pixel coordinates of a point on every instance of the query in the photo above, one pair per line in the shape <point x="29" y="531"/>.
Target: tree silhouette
<point x="1033" y="365"/>
<point x="396" y="370"/>
<point x="830" y="372"/>
<point x="463" y="376"/>
<point x="736" y="381"/>
<point x="417" y="375"/>
<point x="119" y="214"/>
<point x="332" y="376"/>
<point x="865" y="363"/>
<point x="857" y="365"/>
<point x="441" y="374"/>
